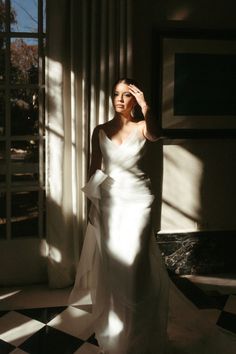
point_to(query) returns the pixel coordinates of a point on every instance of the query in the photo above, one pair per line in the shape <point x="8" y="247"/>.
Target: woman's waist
<point x="129" y="180"/>
<point x="131" y="175"/>
<point x="124" y="185"/>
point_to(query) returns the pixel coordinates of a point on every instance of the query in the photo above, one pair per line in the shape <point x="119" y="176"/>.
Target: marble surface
<point x="202" y="252"/>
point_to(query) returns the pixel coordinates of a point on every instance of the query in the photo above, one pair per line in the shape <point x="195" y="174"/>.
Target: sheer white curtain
<point x="89" y="46"/>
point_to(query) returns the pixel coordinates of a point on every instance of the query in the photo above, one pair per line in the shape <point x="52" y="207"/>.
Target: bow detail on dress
<point x="92" y="192"/>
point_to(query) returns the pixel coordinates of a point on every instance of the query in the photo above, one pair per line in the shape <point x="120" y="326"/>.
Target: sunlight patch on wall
<point x="180" y="14"/>
<point x="181" y="200"/>
<point x="55" y="254"/>
<point x="55" y="129"/>
<point x="55" y="80"/>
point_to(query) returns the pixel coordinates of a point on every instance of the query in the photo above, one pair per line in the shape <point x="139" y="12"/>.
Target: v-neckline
<point x="124" y="141"/>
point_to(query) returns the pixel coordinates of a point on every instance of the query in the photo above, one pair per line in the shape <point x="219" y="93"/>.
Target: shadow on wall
<point x="198" y="185"/>
<point x="217" y="187"/>
<point x="199" y="195"/>
<point x="62" y="249"/>
<point x="153" y="166"/>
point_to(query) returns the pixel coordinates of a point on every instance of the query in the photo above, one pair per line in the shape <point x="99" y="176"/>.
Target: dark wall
<point x="216" y="189"/>
<point x="194" y="179"/>
<point x="173" y="14"/>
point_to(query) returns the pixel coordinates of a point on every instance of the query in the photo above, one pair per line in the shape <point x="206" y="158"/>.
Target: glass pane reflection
<point x="3" y="210"/>
<point x="2" y="163"/>
<point x="21" y="178"/>
<point x="2" y="58"/>
<point x="26" y="13"/>
<point x="2" y="16"/>
<point x="24" y="60"/>
<point x="25" y="151"/>
<point x="24" y="219"/>
<point x="44" y="16"/>
<point x="2" y="112"/>
<point x="25" y="167"/>
<point x="24" y="112"/>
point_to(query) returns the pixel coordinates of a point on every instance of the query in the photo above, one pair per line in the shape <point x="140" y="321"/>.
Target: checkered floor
<point x="47" y="329"/>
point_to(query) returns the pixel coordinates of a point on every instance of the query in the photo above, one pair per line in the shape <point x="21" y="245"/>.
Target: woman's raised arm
<point x="151" y="128"/>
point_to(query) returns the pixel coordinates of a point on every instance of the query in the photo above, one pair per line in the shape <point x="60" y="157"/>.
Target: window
<point x="22" y="142"/>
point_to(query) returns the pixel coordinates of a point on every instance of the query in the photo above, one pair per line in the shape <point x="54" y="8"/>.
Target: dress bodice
<point x="123" y="160"/>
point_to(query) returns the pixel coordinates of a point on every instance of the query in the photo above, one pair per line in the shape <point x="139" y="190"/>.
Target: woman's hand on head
<point x="139" y="96"/>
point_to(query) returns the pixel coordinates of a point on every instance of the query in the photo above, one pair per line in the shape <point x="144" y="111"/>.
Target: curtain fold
<point x="88" y="47"/>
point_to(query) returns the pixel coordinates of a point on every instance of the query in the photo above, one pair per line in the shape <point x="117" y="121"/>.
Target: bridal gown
<point x="136" y="307"/>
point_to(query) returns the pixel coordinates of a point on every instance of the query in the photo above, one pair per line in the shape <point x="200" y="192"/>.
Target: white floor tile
<point x="88" y="348"/>
<point x="211" y="315"/>
<point x="18" y="351"/>
<point x="32" y="296"/>
<point x="74" y="321"/>
<point x="15" y="328"/>
<point x="224" y="284"/>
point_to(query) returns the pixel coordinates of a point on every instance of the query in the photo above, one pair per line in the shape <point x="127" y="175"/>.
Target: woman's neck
<point x="122" y="120"/>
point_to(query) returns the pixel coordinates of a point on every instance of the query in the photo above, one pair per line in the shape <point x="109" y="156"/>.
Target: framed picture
<point x="198" y="82"/>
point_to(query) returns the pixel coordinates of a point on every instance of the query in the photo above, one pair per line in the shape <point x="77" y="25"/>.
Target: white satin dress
<point x="136" y="307"/>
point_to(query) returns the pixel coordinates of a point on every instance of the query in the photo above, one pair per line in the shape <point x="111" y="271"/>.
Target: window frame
<point x="7" y="86"/>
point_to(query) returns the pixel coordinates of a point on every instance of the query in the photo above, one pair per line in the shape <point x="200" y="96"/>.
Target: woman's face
<point x="123" y="100"/>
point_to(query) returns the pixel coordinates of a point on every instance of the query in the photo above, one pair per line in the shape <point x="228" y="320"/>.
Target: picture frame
<point x="197" y="77"/>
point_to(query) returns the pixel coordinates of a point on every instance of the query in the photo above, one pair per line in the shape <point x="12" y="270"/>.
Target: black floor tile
<point x="227" y="320"/>
<point x="219" y="301"/>
<point x="2" y="313"/>
<point x="92" y="340"/>
<point x="49" y="341"/>
<point x="199" y="297"/>
<point x="193" y="293"/>
<point x="5" y="347"/>
<point x="44" y="315"/>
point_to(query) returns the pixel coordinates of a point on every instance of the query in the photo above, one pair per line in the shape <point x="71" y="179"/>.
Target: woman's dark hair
<point x="125" y="80"/>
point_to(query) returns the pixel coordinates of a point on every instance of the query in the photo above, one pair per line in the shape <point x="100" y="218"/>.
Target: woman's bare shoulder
<point x="142" y="127"/>
<point x="145" y="133"/>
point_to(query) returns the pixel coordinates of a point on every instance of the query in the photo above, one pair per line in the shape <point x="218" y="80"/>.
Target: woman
<point x="120" y="263"/>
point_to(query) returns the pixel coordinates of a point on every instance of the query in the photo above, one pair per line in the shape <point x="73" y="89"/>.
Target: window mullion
<point x="8" y="123"/>
<point x="41" y="118"/>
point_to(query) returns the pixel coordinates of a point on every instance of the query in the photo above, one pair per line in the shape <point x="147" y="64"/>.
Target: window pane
<point x="2" y="112"/>
<point x="2" y="16"/>
<point x="2" y="58"/>
<point x="44" y="16"/>
<point x="20" y="177"/>
<point x="24" y="112"/>
<point x="25" y="151"/>
<point x="24" y="60"/>
<point x="24" y="220"/>
<point x="43" y="60"/>
<point x="25" y="158"/>
<point x="2" y="163"/>
<point x="2" y="215"/>
<point x="26" y="12"/>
